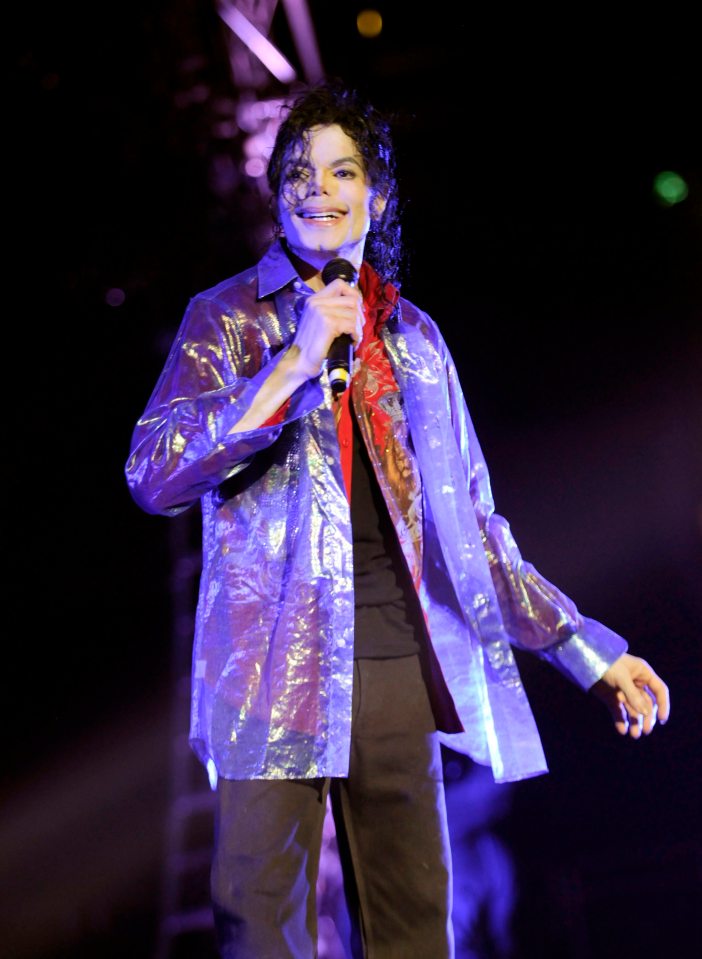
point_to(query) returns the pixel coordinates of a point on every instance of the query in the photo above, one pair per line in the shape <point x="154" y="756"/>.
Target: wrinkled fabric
<point x="273" y="645"/>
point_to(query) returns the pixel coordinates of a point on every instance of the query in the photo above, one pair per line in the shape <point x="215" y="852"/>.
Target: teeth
<point x="318" y="216"/>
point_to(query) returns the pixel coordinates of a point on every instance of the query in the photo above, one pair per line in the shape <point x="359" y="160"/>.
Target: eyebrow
<point x="350" y="159"/>
<point x="301" y="161"/>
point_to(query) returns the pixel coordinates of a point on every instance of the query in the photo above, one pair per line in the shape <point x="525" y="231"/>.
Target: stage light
<point x="115" y="296"/>
<point x="257" y="43"/>
<point x="369" y="23"/>
<point x="669" y="188"/>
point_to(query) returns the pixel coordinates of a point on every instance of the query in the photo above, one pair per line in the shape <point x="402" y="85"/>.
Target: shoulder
<point x="236" y="292"/>
<point x="411" y="316"/>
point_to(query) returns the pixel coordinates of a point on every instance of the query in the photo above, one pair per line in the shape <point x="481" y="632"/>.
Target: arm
<point x="541" y="619"/>
<point x="182" y="445"/>
<point x="210" y="411"/>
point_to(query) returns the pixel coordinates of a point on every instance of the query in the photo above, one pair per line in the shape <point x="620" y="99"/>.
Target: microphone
<point x="340" y="356"/>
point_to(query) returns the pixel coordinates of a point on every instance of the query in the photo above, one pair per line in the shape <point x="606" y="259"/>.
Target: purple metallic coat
<point x="273" y="647"/>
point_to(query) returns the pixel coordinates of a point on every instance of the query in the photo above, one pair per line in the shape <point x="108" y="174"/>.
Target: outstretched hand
<point x="635" y="695"/>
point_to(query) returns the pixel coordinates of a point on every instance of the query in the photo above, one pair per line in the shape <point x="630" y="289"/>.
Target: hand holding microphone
<point x="331" y="320"/>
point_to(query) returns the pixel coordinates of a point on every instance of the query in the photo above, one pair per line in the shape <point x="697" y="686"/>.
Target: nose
<point x="318" y="183"/>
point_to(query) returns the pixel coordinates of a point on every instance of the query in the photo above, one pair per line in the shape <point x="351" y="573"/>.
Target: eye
<point x="297" y="173"/>
<point x="345" y="174"/>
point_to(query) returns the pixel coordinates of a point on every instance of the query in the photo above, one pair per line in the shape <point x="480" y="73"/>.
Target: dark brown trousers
<point x="391" y="830"/>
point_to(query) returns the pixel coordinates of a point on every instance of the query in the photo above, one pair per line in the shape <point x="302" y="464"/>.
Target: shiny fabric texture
<point x="273" y="646"/>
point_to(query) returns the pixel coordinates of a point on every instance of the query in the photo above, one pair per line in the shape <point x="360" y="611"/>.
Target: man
<point x="359" y="595"/>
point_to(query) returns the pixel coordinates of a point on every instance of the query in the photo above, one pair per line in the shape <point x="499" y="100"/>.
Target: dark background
<point x="570" y="297"/>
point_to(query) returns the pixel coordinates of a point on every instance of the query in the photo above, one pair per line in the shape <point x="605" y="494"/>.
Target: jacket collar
<point x="275" y="271"/>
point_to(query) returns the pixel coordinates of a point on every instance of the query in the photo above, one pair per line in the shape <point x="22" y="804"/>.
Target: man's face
<point x="325" y="199"/>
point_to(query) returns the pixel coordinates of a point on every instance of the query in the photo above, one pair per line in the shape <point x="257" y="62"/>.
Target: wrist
<point x="295" y="367"/>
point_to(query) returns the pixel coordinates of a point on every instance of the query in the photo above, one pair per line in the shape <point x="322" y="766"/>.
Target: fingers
<point x="651" y="698"/>
<point x="621" y="719"/>
<point x="336" y="309"/>
<point x="636" y="697"/>
<point x="637" y="722"/>
<point x="660" y="695"/>
<point x="325" y="315"/>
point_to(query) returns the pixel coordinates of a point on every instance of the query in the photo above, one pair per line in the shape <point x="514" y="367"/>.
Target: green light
<point x="669" y="187"/>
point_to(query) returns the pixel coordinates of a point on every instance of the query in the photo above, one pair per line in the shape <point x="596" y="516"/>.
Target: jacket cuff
<point x="587" y="654"/>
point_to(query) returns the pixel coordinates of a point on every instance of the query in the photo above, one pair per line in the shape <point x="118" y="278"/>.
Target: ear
<point x="378" y="204"/>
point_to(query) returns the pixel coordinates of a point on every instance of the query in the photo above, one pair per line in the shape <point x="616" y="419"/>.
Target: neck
<point x="310" y="263"/>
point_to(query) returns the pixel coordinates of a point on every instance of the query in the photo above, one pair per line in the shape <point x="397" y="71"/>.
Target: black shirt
<point x="388" y="616"/>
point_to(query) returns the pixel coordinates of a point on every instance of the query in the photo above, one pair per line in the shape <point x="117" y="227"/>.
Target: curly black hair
<point x="329" y="102"/>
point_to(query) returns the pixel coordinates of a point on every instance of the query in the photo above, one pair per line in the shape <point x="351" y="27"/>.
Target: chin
<point x="328" y="244"/>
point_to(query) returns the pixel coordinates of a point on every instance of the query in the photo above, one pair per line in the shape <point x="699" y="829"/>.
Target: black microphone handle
<point x="340" y="355"/>
<point x="340" y="362"/>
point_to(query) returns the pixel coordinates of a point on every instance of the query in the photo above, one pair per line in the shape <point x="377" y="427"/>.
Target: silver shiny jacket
<point x="273" y="648"/>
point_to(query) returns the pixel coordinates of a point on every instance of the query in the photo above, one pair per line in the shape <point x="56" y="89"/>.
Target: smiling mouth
<point x="320" y="217"/>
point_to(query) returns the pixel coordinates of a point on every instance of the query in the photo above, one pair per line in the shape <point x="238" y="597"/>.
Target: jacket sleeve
<point x="182" y="446"/>
<point x="538" y="617"/>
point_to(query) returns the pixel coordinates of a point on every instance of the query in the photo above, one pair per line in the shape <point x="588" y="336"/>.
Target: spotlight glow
<point x="257" y="43"/>
<point x="115" y="296"/>
<point x="669" y="188"/>
<point x="369" y="23"/>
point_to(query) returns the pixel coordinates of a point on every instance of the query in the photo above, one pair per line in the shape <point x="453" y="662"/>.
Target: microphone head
<point x="339" y="269"/>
